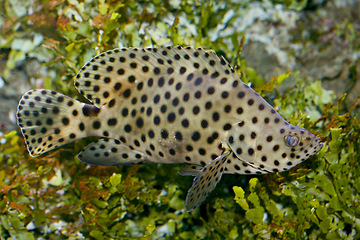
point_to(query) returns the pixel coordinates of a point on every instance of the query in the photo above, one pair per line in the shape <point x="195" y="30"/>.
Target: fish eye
<point x="291" y="140"/>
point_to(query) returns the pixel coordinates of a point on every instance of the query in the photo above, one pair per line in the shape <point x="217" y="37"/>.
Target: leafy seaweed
<point x="57" y="197"/>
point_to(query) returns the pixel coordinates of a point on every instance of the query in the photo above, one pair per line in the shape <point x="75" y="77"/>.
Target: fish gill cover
<point x="56" y="196"/>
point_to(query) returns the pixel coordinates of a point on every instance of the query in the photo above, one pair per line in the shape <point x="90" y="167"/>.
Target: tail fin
<point x="49" y="119"/>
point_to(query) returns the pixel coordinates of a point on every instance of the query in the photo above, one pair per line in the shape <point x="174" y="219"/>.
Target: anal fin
<point x="111" y="152"/>
<point x="205" y="181"/>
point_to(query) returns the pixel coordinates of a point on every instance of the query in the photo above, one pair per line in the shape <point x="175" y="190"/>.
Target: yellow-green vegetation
<point x="58" y="197"/>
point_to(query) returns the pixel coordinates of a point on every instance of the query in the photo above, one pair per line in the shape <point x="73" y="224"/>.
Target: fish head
<point x="287" y="149"/>
<point x="300" y="144"/>
<point x="274" y="149"/>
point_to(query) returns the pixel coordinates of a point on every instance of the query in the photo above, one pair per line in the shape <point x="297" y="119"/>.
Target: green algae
<point x="57" y="197"/>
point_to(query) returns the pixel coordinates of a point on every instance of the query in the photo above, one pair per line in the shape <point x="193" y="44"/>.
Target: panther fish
<point x="167" y="105"/>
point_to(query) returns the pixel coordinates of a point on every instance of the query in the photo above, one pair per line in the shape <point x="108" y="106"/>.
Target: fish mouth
<point x="317" y="146"/>
<point x="320" y="146"/>
<point x="310" y="149"/>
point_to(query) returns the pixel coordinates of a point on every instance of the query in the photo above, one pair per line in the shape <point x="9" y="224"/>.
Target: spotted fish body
<point x="167" y="105"/>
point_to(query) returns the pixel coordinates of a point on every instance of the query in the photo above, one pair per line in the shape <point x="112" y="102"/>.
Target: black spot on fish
<point x="90" y="110"/>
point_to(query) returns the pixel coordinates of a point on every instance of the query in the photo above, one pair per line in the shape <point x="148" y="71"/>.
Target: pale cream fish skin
<point x="167" y="105"/>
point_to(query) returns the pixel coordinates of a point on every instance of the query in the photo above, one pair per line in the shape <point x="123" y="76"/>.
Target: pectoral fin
<point x="190" y="170"/>
<point x="205" y="181"/>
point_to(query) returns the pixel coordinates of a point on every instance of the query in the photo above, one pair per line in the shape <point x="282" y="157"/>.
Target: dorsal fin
<point x="115" y="72"/>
